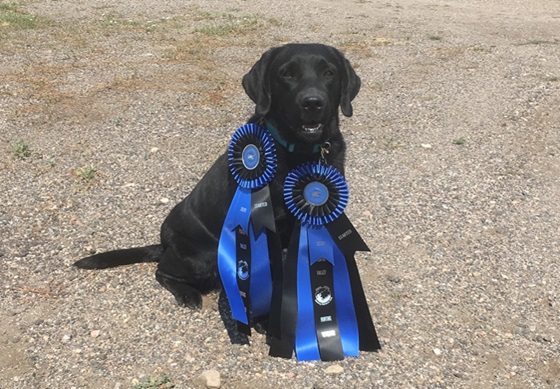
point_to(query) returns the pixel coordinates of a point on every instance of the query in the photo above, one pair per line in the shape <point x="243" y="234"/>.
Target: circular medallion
<point x="315" y="193"/>
<point x="252" y="156"/>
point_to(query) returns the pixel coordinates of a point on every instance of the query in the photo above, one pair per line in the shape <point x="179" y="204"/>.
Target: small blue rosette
<point x="321" y="284"/>
<point x="243" y="259"/>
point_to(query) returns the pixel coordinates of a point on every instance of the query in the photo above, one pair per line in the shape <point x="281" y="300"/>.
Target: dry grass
<point x="180" y="48"/>
<point x="14" y="18"/>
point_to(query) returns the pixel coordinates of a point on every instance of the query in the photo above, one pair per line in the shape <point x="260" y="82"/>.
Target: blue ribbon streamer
<point x="260" y="278"/>
<point x="345" y="310"/>
<point x="316" y="243"/>
<point x="239" y="215"/>
<point x="307" y="348"/>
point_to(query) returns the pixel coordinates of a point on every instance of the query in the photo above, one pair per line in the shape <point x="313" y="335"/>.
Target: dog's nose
<point x="313" y="103"/>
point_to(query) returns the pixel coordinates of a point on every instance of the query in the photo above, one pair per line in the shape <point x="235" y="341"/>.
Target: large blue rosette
<point x="243" y="259"/>
<point x="323" y="312"/>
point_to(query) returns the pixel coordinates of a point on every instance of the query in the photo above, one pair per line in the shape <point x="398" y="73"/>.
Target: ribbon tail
<point x="277" y="270"/>
<point x="262" y="214"/>
<point x="307" y="348"/>
<point x="346" y="237"/>
<point x="260" y="279"/>
<point x="345" y="310"/>
<point x="349" y="241"/>
<point x="227" y="252"/>
<point x="287" y="313"/>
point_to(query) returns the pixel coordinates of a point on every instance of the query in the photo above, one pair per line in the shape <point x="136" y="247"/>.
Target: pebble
<point x="164" y="200"/>
<point x="95" y="333"/>
<point x="394" y="279"/>
<point x="209" y="379"/>
<point x="543" y="338"/>
<point x="437" y="351"/>
<point x="334" y="369"/>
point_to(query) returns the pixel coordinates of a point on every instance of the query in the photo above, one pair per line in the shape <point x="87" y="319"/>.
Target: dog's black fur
<point x="297" y="88"/>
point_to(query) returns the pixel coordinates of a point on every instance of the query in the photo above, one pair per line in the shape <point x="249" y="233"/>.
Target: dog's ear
<point x="350" y="86"/>
<point x="257" y="83"/>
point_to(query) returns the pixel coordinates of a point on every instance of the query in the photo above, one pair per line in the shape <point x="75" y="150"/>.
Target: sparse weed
<point x="113" y="19"/>
<point x="12" y="17"/>
<point x="393" y="144"/>
<point x="232" y="25"/>
<point x="21" y="149"/>
<point x="540" y="42"/>
<point x="87" y="172"/>
<point x="218" y="30"/>
<point x="155" y="382"/>
<point x="459" y="141"/>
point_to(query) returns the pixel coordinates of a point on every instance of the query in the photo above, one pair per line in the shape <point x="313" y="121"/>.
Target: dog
<point x="297" y="90"/>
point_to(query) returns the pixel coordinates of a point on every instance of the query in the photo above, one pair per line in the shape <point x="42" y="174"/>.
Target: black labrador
<point x="297" y="90"/>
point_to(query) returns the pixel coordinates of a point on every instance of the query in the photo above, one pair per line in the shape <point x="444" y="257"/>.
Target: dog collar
<point x="291" y="147"/>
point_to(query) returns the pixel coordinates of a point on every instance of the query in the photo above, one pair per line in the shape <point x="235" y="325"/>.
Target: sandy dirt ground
<point x="111" y="112"/>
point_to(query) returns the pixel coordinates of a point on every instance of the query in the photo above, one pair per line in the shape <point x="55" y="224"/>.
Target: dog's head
<point x="300" y="87"/>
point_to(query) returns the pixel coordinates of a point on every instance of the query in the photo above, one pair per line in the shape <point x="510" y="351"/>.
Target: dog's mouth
<point x="312" y="128"/>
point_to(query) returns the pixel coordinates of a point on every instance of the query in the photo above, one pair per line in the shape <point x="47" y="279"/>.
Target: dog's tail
<point x="121" y="257"/>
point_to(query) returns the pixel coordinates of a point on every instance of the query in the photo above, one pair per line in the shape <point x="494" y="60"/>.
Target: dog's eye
<point x="328" y="73"/>
<point x="287" y="74"/>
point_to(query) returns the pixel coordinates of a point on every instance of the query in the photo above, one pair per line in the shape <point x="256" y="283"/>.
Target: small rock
<point x="437" y="351"/>
<point x="543" y="338"/>
<point x="95" y="333"/>
<point x="426" y="145"/>
<point x="459" y="374"/>
<point x="394" y="279"/>
<point x="334" y="369"/>
<point x="209" y="379"/>
<point x="66" y="338"/>
<point x="154" y="150"/>
<point x="164" y="200"/>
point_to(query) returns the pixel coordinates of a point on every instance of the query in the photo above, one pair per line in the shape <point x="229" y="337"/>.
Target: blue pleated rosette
<point x="243" y="257"/>
<point x="252" y="156"/>
<point x="316" y="193"/>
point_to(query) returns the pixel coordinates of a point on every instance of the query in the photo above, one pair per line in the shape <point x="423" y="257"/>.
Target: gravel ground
<point x="453" y="168"/>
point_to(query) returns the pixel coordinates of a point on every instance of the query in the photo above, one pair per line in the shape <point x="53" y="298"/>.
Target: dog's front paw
<point x="192" y="300"/>
<point x="262" y="326"/>
<point x="185" y="294"/>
